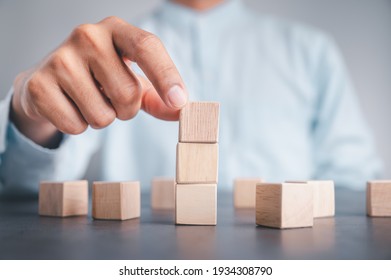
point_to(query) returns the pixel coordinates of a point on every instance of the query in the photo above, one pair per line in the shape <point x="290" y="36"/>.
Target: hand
<point x="87" y="80"/>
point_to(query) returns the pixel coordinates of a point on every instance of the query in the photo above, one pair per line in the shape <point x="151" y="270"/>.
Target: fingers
<point x="47" y="100"/>
<point x="119" y="83"/>
<point x="86" y="81"/>
<point x="76" y="81"/>
<point x="154" y="105"/>
<point x="149" y="53"/>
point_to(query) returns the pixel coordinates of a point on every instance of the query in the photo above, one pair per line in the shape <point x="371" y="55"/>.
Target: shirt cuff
<point x="29" y="146"/>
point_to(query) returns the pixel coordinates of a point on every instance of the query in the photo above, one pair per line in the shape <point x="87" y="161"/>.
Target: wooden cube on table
<point x="286" y="205"/>
<point x="196" y="204"/>
<point x="244" y="192"/>
<point x="324" y="197"/>
<point x="116" y="200"/>
<point x="379" y="198"/>
<point x="163" y="193"/>
<point x="63" y="199"/>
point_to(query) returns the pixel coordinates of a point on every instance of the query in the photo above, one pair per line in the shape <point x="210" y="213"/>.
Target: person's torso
<point x="254" y="68"/>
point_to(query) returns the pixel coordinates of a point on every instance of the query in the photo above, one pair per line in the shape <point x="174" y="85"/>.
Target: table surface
<point x="348" y="235"/>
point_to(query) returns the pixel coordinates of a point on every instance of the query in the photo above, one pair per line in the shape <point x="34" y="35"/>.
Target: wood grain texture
<point x="163" y="193"/>
<point x="199" y="122"/>
<point x="116" y="200"/>
<point x="50" y="199"/>
<point x="287" y="205"/>
<point x="297" y="205"/>
<point x="324" y="197"/>
<point x="63" y="199"/>
<point x="106" y="200"/>
<point x="75" y="198"/>
<point x="268" y="205"/>
<point x="379" y="198"/>
<point x="130" y="200"/>
<point x="245" y="192"/>
<point x="196" y="204"/>
<point x="197" y="163"/>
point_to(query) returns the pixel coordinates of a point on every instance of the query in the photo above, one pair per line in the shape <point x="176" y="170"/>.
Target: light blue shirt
<point x="288" y="111"/>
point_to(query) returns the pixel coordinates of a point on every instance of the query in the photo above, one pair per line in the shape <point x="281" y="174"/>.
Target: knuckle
<point x="113" y="20"/>
<point x="73" y="127"/>
<point x="61" y="60"/>
<point x="34" y="86"/>
<point x="87" y="35"/>
<point x="130" y="113"/>
<point x="123" y="98"/>
<point x="103" y="120"/>
<point x="84" y="31"/>
<point x="128" y="94"/>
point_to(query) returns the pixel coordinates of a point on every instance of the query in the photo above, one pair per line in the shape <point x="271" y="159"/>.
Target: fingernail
<point x="177" y="97"/>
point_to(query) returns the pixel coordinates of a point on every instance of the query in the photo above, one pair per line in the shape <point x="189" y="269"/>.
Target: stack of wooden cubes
<point x="197" y="164"/>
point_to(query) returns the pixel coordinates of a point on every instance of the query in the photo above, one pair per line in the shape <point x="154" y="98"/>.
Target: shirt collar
<point x="183" y="17"/>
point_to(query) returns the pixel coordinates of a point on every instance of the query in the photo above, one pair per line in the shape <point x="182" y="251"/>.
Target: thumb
<point x="153" y="104"/>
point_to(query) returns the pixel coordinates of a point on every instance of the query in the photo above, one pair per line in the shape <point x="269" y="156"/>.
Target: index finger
<point x="148" y="52"/>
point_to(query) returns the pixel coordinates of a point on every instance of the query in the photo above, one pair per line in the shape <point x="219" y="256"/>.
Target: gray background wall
<point x="362" y="28"/>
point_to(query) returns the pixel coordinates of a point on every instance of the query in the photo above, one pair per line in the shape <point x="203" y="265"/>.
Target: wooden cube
<point x="244" y="192"/>
<point x="287" y="205"/>
<point x="324" y="197"/>
<point x="199" y="122"/>
<point x="196" y="204"/>
<point x="379" y="198"/>
<point x="116" y="200"/>
<point x="63" y="199"/>
<point x="197" y="163"/>
<point x="163" y="193"/>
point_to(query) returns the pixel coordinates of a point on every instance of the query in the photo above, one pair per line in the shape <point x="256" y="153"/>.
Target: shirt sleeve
<point x="344" y="147"/>
<point x="23" y="164"/>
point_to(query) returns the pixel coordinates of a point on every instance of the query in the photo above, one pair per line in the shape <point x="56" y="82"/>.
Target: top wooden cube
<point x="199" y="122"/>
